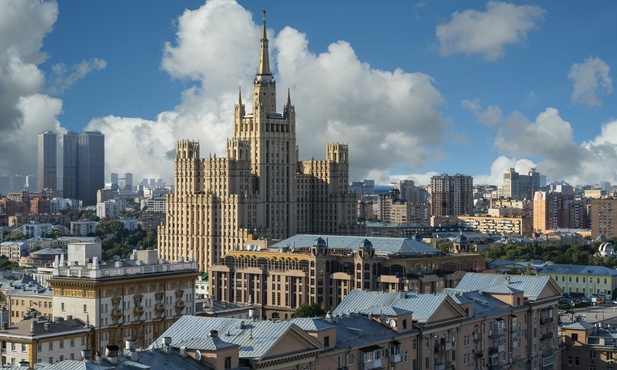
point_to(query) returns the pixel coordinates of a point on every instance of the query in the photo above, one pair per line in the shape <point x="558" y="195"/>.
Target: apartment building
<point x="37" y="340"/>
<point x="603" y="212"/>
<point x="83" y="228"/>
<point x="261" y="189"/>
<point x="554" y="210"/>
<point x="133" y="299"/>
<point x="312" y="269"/>
<point x="498" y="225"/>
<point x="589" y="346"/>
<point x="489" y="321"/>
<point x="451" y="195"/>
<point x="588" y="280"/>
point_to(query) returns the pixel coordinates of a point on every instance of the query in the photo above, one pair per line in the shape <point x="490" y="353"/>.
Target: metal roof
<point x="578" y="326"/>
<point x="422" y="306"/>
<point x="207" y="344"/>
<point x="311" y="324"/>
<point x="255" y="338"/>
<point x="531" y="285"/>
<point x="577" y="270"/>
<point x="380" y="244"/>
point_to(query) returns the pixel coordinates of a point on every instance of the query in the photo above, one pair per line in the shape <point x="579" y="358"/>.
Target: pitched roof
<point x="557" y="268"/>
<point x="255" y="338"/>
<point x="531" y="285"/>
<point x="422" y="306"/>
<point x="579" y="326"/>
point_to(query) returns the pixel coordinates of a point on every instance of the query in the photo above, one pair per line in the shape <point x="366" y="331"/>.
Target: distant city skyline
<point x="415" y="89"/>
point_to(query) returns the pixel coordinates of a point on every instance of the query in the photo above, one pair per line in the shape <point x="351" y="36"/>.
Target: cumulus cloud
<point x="491" y="116"/>
<point x="592" y="81"/>
<point x="500" y="166"/>
<point x="488" y="33"/>
<point x="23" y="112"/>
<point x="338" y="98"/>
<point x="64" y="77"/>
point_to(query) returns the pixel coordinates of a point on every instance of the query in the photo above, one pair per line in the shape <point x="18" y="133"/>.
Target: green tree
<point x="309" y="310"/>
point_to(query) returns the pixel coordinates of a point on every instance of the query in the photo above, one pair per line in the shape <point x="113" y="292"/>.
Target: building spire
<point x="264" y="58"/>
<point x="240" y="96"/>
<point x="288" y="97"/>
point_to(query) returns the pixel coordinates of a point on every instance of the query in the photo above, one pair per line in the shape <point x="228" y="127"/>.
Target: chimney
<point x="111" y="352"/>
<point x="214" y="334"/>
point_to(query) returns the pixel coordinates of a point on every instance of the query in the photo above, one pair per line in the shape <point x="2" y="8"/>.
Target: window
<point x="351" y="359"/>
<point x="575" y="337"/>
<point x="85" y="308"/>
<point x="228" y="362"/>
<point x="569" y="360"/>
<point x="326" y="341"/>
<point x="576" y="361"/>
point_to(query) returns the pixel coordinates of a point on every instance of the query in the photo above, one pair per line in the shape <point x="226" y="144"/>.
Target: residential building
<point x="603" y="212"/>
<point x="37" y="340"/>
<point x="498" y="225"/>
<point x="451" y="195"/>
<point x="554" y="210"/>
<point x="588" y="280"/>
<point x="47" y="175"/>
<point x="519" y="187"/>
<point x="25" y="297"/>
<point x="260" y="190"/>
<point x="41" y="257"/>
<point x="589" y="346"/>
<point x="83" y="228"/>
<point x="109" y="208"/>
<point x="131" y="224"/>
<point x="488" y="321"/>
<point x="133" y="299"/>
<point x="32" y="230"/>
<point x="13" y="250"/>
<point x="84" y="166"/>
<point x="277" y="279"/>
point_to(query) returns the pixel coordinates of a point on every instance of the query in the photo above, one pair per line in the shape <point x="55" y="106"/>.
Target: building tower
<point x="84" y="165"/>
<point x="260" y="190"/>
<point x="451" y="195"/>
<point x="47" y="174"/>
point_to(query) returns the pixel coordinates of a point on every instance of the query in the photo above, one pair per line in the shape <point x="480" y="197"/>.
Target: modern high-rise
<point x="47" y="174"/>
<point x="260" y="190"/>
<point x="84" y="166"/>
<point x="555" y="210"/>
<point x="517" y="186"/>
<point x="451" y="195"/>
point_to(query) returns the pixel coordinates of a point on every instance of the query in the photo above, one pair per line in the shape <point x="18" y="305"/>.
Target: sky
<point x="416" y="88"/>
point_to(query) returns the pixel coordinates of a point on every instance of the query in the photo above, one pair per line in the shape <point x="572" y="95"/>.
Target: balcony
<point x="546" y="336"/>
<point x="375" y="364"/>
<point x="476" y="336"/>
<point x="395" y="358"/>
<point x="492" y="350"/>
<point x="497" y="332"/>
<point x="478" y="355"/>
<point x="440" y="367"/>
<point x="546" y="320"/>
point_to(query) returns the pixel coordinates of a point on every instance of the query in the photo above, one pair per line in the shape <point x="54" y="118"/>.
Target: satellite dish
<point x="392" y="323"/>
<point x="197" y="355"/>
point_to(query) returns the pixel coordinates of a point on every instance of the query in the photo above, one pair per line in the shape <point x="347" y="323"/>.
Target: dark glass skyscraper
<point x="84" y="166"/>
<point x="47" y="173"/>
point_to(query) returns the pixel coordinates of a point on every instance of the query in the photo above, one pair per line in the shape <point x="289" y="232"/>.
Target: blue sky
<point x="415" y="88"/>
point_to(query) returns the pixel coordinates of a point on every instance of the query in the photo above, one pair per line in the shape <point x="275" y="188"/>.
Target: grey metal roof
<point x="531" y="285"/>
<point x="255" y="338"/>
<point x="423" y="306"/>
<point x="579" y="326"/>
<point x="311" y="324"/>
<point x="73" y="365"/>
<point x="207" y="344"/>
<point x="48" y="250"/>
<point x="577" y="270"/>
<point x="380" y="244"/>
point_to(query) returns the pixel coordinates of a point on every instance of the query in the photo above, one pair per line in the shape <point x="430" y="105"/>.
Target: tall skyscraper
<point x="260" y="190"/>
<point x="518" y="186"/>
<point x="47" y="174"/>
<point x="84" y="166"/>
<point x="128" y="181"/>
<point x="451" y="195"/>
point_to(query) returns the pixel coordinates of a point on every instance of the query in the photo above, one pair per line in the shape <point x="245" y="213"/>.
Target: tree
<point x="309" y="310"/>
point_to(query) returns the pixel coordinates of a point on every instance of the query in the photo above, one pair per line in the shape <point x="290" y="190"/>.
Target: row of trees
<point x="585" y="254"/>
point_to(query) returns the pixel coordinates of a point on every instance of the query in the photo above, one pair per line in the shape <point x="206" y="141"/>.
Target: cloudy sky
<point x="415" y="87"/>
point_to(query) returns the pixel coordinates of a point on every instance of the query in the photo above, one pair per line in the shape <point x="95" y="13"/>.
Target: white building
<point x="37" y="230"/>
<point x="133" y="299"/>
<point x="83" y="228"/>
<point x="109" y="208"/>
<point x="130" y="224"/>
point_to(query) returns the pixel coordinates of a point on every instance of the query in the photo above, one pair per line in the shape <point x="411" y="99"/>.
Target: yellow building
<point x="588" y="280"/>
<point x="260" y="189"/>
<point x="134" y="299"/>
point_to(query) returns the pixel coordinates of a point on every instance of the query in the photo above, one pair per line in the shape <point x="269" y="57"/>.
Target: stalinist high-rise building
<point x="261" y="189"/>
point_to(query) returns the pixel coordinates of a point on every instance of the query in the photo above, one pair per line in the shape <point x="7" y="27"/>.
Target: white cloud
<point x="338" y="98"/>
<point x="499" y="166"/>
<point x="592" y="81"/>
<point x="64" y="78"/>
<point x="488" y="33"/>
<point x="23" y="113"/>
<point x="492" y="116"/>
